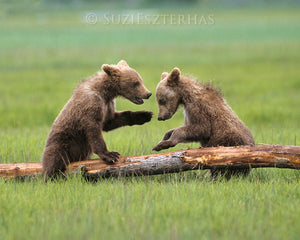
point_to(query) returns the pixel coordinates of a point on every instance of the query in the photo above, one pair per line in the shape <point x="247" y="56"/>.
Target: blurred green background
<point x="248" y="49"/>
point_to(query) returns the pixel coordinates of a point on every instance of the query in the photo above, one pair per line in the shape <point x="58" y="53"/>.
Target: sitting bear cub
<point x="77" y="131"/>
<point x="208" y="119"/>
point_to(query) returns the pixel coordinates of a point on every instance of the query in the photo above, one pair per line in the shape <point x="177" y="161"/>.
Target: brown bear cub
<point x="77" y="131"/>
<point x="208" y="119"/>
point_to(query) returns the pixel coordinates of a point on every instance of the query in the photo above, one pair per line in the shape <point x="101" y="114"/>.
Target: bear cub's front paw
<point x="141" y="117"/>
<point x="110" y="157"/>
<point x="163" y="145"/>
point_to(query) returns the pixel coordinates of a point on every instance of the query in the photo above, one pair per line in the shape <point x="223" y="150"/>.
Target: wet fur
<point x="208" y="118"/>
<point x="77" y="131"/>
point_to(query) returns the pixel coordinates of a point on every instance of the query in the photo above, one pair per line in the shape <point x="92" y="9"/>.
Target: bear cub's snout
<point x="149" y="94"/>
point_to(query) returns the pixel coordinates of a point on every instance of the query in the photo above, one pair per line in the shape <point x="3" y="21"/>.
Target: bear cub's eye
<point x="136" y="84"/>
<point x="162" y="102"/>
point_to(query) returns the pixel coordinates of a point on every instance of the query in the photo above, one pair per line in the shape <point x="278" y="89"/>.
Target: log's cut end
<point x="12" y="170"/>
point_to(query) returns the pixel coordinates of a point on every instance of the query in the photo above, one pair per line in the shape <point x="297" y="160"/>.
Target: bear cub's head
<point x="167" y="94"/>
<point x="130" y="83"/>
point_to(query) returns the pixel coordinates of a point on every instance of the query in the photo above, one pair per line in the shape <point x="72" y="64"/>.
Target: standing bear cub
<point x="77" y="131"/>
<point x="208" y="119"/>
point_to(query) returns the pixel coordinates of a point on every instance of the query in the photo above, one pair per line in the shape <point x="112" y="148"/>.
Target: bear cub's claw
<point x="156" y="148"/>
<point x="163" y="145"/>
<point x="110" y="157"/>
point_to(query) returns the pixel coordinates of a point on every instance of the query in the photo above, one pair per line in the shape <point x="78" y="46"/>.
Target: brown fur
<point x="77" y="131"/>
<point x="208" y="119"/>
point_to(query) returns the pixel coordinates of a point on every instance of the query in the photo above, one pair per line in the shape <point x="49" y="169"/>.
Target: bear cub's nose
<point x="148" y="95"/>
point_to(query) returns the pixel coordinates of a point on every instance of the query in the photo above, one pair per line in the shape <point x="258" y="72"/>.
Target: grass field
<point x="252" y="55"/>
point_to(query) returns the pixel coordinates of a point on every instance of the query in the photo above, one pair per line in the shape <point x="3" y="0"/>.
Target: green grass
<point x="252" y="55"/>
<point x="166" y="207"/>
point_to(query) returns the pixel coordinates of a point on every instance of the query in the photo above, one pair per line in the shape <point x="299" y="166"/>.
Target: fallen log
<point x="258" y="156"/>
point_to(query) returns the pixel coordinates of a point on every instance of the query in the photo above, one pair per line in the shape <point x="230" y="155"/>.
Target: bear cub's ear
<point x="111" y="70"/>
<point x="164" y="75"/>
<point x="174" y="76"/>
<point x="122" y="63"/>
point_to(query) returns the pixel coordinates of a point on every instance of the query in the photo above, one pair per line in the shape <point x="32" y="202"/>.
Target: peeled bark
<point x="258" y="156"/>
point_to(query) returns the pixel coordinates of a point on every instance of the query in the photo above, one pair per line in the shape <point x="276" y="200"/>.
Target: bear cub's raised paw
<point x="141" y="117"/>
